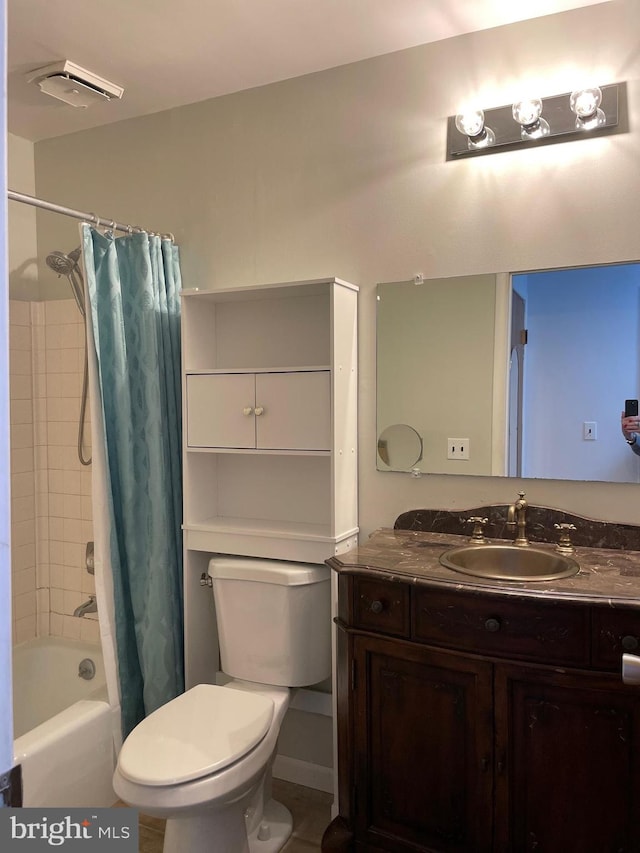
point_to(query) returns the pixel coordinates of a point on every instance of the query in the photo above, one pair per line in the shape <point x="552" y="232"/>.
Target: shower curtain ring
<point x="96" y="220"/>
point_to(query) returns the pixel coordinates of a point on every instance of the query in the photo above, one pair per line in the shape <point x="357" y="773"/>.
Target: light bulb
<point x="527" y="111"/>
<point x="585" y="104"/>
<point x="471" y="124"/>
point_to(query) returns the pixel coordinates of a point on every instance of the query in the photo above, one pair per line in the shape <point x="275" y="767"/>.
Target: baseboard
<point x="303" y="773"/>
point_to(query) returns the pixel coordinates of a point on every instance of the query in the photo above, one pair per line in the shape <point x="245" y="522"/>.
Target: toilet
<point x="203" y="761"/>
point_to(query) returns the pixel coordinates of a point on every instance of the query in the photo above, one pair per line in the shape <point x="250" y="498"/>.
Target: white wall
<point x="23" y="268"/>
<point x="344" y="173"/>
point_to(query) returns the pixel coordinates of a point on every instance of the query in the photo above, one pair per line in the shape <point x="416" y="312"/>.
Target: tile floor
<point x="311" y="811"/>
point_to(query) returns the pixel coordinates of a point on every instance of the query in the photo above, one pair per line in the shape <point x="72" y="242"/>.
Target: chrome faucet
<point x="90" y="606"/>
<point x="517" y="515"/>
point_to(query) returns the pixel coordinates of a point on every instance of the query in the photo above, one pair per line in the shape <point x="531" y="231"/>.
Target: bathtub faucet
<point x="90" y="606"/>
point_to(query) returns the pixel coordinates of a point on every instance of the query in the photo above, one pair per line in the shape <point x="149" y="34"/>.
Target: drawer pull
<point x="376" y="606"/>
<point x="630" y="643"/>
<point x="492" y="625"/>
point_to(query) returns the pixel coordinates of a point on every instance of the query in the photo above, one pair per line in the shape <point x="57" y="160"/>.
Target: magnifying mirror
<point x="399" y="448"/>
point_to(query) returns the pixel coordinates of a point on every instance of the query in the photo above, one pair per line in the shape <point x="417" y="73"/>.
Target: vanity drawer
<point x="381" y="606"/>
<point x="614" y="632"/>
<point x="494" y="625"/>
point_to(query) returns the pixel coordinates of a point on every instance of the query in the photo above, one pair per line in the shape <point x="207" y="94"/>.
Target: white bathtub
<point x="63" y="725"/>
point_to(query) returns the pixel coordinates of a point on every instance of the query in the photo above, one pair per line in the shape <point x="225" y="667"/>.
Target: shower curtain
<point x="133" y="287"/>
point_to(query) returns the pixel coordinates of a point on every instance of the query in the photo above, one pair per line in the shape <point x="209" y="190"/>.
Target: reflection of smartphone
<point x="630" y="408"/>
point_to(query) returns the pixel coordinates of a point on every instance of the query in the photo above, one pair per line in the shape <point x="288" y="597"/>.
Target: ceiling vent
<point x="74" y="85"/>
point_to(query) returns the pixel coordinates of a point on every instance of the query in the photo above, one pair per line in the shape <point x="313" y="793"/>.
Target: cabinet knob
<point x="630" y="643"/>
<point x="376" y="607"/>
<point x="247" y="410"/>
<point x="259" y="410"/>
<point x="492" y="625"/>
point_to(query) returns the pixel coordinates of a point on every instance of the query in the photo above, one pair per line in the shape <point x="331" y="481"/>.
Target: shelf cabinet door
<point x="263" y="411"/>
<point x="220" y="410"/>
<point x="423" y="749"/>
<point x="568" y="762"/>
<point x="293" y="410"/>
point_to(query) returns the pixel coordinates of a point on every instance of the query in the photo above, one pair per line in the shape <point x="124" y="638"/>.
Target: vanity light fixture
<point x="534" y="121"/>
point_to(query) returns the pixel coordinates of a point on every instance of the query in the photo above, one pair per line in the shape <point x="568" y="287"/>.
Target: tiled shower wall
<point x="51" y="490"/>
<point x="23" y="500"/>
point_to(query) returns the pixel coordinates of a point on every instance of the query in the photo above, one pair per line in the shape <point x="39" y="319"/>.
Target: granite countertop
<point x="607" y="575"/>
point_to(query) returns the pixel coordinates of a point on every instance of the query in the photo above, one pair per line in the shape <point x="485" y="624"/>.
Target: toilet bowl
<point x="203" y="762"/>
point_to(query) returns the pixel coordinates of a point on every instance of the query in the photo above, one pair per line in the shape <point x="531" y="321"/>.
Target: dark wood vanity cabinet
<point x="567" y="761"/>
<point x="422" y="748"/>
<point x="473" y="723"/>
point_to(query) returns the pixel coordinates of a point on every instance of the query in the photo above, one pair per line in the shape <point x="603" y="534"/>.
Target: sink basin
<point x="509" y="563"/>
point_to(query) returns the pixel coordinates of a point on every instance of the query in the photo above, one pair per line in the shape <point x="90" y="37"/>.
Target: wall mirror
<point x="521" y="375"/>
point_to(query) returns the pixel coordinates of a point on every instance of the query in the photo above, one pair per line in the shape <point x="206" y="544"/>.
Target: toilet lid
<point x="198" y="733"/>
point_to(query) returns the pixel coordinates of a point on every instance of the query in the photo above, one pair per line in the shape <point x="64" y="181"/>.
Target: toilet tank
<point x="274" y="620"/>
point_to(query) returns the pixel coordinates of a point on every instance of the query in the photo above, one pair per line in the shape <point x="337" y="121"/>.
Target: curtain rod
<point x="98" y="221"/>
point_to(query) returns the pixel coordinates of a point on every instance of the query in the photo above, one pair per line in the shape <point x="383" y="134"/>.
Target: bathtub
<point x="63" y="725"/>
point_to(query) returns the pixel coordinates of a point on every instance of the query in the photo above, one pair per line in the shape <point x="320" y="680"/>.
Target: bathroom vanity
<point x="478" y="716"/>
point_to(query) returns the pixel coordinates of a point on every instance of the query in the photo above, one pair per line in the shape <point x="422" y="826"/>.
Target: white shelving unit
<point x="269" y="433"/>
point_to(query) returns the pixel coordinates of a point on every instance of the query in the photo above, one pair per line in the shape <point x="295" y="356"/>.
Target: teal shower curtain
<point x="133" y="284"/>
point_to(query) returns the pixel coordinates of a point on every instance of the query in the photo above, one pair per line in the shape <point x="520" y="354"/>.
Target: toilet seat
<point x="199" y="733"/>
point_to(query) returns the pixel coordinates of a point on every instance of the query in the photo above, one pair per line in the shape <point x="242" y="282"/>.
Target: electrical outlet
<point x="589" y="430"/>
<point x="457" y="448"/>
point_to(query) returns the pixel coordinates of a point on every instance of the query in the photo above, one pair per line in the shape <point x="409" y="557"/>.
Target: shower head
<point x="63" y="264"/>
<point x="68" y="265"/>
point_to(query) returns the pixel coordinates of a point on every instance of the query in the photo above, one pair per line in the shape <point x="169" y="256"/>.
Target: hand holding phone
<point x="629" y="422"/>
